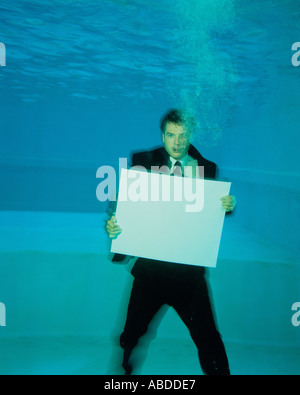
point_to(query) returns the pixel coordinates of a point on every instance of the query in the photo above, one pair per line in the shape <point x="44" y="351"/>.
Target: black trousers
<point x="191" y="301"/>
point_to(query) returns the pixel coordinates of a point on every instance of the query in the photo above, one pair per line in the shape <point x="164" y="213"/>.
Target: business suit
<point x="183" y="287"/>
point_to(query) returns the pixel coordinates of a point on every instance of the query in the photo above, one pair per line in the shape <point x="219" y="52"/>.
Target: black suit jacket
<point x="159" y="157"/>
<point x="144" y="267"/>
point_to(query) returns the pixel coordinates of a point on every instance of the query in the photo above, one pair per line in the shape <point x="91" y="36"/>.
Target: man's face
<point x="176" y="140"/>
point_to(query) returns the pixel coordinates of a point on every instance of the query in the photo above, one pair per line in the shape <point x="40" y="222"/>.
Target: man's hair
<point x="179" y="117"/>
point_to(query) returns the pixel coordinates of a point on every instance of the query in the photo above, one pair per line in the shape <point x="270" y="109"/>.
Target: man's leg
<point x="196" y="312"/>
<point x="145" y="301"/>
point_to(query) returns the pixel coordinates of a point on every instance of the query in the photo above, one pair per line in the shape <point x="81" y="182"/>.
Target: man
<point x="159" y="283"/>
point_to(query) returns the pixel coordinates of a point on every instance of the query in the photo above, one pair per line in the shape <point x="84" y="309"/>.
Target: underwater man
<point x="157" y="283"/>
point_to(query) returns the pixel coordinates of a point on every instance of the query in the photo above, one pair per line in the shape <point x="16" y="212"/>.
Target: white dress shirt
<point x="189" y="166"/>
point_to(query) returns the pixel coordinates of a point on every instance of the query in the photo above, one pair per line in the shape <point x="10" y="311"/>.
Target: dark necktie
<point x="178" y="170"/>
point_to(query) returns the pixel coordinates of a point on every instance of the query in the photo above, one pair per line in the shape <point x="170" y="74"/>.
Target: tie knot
<point x="178" y="169"/>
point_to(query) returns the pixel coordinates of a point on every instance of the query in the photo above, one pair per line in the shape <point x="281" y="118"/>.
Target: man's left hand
<point x="228" y="202"/>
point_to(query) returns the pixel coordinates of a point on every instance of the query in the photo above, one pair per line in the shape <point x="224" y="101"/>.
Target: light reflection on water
<point x="195" y="53"/>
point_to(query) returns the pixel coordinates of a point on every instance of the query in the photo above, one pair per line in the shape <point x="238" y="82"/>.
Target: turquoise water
<point x="85" y="83"/>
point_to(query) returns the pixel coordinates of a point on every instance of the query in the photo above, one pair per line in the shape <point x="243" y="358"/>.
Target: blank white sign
<point x="170" y="219"/>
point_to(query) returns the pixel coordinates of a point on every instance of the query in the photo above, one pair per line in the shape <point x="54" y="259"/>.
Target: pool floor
<point x="99" y="356"/>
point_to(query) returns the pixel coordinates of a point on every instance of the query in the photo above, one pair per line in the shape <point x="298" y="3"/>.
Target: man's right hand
<point x="112" y="228"/>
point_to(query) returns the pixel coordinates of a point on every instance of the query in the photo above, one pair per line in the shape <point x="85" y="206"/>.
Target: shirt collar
<point x="182" y="161"/>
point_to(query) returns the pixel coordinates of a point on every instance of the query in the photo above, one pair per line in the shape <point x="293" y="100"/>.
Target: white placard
<point x="172" y="219"/>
